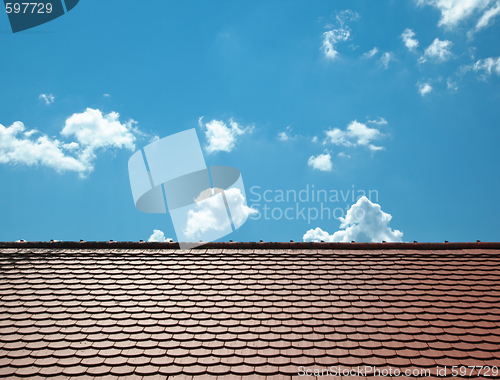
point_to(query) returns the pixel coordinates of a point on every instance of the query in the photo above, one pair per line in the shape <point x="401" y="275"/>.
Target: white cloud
<point x="379" y="121"/>
<point x="438" y="51"/>
<point x="314" y="139"/>
<point x="23" y="150"/>
<point x="455" y="11"/>
<point x="286" y="135"/>
<point x="283" y="136"/>
<point x="374" y="148"/>
<point x="332" y="37"/>
<point x="95" y="130"/>
<point x="385" y="59"/>
<point x="108" y="96"/>
<point x="91" y="129"/>
<point x="424" y="88"/>
<point x="211" y="213"/>
<point x="365" y="222"/>
<point x="362" y="133"/>
<point x="222" y="137"/>
<point x="410" y="42"/>
<point x="342" y="154"/>
<point x="317" y="235"/>
<point x="484" y="68"/>
<point x="487" y="66"/>
<point x="371" y="53"/>
<point x="48" y="98"/>
<point x="158" y="236"/>
<point x="321" y="162"/>
<point x="488" y="16"/>
<point x="356" y="134"/>
<point x="338" y="137"/>
<point x="238" y="206"/>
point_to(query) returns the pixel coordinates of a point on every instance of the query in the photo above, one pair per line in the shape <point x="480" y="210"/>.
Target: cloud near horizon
<point x="211" y="213"/>
<point x="364" y="222"/>
<point x="158" y="236"/>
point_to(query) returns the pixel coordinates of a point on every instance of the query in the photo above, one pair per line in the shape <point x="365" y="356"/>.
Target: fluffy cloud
<point x="424" y="88"/>
<point x="94" y="130"/>
<point x="238" y="206"/>
<point x="211" y="213"/>
<point x="17" y="147"/>
<point x="356" y="134"/>
<point x="454" y="12"/>
<point x="158" y="236"/>
<point x="410" y="42"/>
<point x="222" y="137"/>
<point x="365" y="222"/>
<point x="48" y="98"/>
<point x="91" y="129"/>
<point x="438" y="51"/>
<point x="321" y="162"/>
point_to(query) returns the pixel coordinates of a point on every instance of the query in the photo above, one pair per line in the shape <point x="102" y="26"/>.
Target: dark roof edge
<point x="247" y="245"/>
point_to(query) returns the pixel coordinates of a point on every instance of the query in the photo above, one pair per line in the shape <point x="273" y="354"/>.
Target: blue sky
<point x="401" y="98"/>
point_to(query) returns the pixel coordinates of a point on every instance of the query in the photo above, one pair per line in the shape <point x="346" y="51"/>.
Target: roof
<point x="229" y="311"/>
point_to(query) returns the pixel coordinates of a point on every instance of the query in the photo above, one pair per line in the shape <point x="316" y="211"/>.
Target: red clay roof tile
<point x="140" y="311"/>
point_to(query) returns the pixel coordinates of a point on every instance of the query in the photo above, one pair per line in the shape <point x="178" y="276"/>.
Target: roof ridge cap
<point x="253" y="245"/>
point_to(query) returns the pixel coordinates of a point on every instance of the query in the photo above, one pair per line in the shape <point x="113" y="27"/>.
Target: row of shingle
<point x="290" y="254"/>
<point x="412" y="348"/>
<point x="293" y="280"/>
<point x="154" y="310"/>
<point x="26" y="319"/>
<point x="244" y="257"/>
<point x="250" y="368"/>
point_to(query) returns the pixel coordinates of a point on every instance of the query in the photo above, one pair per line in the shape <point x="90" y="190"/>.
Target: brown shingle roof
<point x="123" y="311"/>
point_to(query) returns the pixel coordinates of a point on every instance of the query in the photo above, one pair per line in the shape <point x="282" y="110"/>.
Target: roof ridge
<point x="251" y="245"/>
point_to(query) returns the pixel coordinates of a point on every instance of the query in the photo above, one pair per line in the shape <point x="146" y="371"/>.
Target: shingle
<point x="256" y="311"/>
